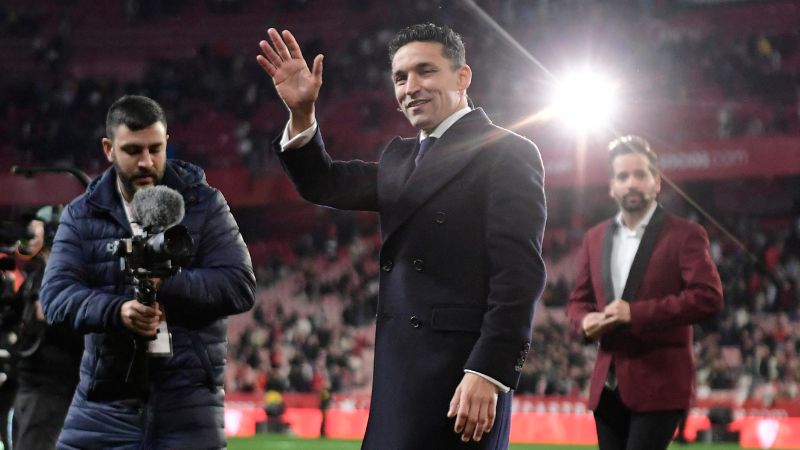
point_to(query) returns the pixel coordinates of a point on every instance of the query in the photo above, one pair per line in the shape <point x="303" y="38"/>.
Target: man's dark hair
<point x="134" y="111"/>
<point x="452" y="45"/>
<point x="632" y="144"/>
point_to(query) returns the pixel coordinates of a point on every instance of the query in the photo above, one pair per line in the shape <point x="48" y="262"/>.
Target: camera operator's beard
<point x="128" y="182"/>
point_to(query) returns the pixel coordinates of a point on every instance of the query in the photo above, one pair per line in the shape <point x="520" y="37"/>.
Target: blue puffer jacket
<point x="84" y="288"/>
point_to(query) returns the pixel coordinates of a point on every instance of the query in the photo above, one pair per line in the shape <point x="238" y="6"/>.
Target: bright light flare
<point x="585" y="101"/>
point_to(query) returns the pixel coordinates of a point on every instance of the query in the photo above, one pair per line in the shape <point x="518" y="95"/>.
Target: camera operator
<point x="11" y="279"/>
<point x="49" y="357"/>
<point x="173" y="402"/>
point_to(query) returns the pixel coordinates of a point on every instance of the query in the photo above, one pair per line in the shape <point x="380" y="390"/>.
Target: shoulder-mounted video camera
<point x="11" y="301"/>
<point x="16" y="296"/>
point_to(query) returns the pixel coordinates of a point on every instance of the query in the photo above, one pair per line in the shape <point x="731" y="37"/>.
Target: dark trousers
<point x="39" y="416"/>
<point x="619" y="428"/>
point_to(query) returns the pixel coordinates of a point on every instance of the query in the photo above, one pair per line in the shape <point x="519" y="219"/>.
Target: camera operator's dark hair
<point x="632" y="144"/>
<point x="452" y="45"/>
<point x="134" y="111"/>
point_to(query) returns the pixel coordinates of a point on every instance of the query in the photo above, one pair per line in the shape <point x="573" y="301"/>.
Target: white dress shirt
<point x="306" y="135"/>
<point x="626" y="244"/>
<point x="623" y="251"/>
<point x="126" y="205"/>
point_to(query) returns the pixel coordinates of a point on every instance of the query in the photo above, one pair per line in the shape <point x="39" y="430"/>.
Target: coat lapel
<point x="608" y="244"/>
<point x="105" y="198"/>
<point x="643" y="254"/>
<point x="444" y="160"/>
<point x="397" y="163"/>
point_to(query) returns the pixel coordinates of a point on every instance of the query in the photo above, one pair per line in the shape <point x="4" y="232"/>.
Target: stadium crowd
<point x="221" y="105"/>
<point x="313" y="326"/>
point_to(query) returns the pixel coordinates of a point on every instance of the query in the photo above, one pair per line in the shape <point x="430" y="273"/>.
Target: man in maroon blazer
<point x="644" y="277"/>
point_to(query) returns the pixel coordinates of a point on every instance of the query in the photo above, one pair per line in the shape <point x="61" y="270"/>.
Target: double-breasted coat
<point x="460" y="269"/>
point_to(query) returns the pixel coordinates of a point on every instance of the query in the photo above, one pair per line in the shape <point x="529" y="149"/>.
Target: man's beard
<point x="128" y="182"/>
<point x="642" y="205"/>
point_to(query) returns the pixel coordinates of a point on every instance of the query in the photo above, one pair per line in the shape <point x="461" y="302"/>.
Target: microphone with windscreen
<point x="158" y="207"/>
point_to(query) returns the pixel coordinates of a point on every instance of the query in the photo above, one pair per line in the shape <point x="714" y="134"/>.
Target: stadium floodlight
<point x="585" y="101"/>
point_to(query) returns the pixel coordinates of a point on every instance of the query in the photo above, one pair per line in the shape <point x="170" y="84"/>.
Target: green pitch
<point x="272" y="442"/>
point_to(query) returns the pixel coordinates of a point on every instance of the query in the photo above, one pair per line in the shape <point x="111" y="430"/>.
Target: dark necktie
<point x="423" y="147"/>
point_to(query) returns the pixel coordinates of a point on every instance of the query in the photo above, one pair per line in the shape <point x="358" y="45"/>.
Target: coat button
<point x="419" y="264"/>
<point x="387" y="265"/>
<point x="415" y="321"/>
<point x="441" y="217"/>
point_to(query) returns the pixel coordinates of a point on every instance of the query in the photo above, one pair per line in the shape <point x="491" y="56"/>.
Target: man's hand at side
<point x="140" y="318"/>
<point x="473" y="405"/>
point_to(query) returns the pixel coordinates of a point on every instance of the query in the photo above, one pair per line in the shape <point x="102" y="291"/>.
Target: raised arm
<point x="297" y="86"/>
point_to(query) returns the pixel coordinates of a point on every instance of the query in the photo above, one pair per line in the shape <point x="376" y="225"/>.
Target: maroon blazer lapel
<point x="640" y="261"/>
<point x="643" y="254"/>
<point x="605" y="262"/>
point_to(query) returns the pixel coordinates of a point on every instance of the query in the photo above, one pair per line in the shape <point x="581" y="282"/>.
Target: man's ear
<point x="108" y="149"/>
<point x="464" y="77"/>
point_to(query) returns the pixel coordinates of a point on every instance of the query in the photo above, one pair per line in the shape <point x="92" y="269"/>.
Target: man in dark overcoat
<point x="462" y="212"/>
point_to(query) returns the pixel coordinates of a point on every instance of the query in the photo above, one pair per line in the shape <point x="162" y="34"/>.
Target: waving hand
<point x="297" y="86"/>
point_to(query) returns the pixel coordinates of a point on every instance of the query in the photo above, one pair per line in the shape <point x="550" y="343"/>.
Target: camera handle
<point x="161" y="343"/>
<point x="138" y="368"/>
<point x="145" y="290"/>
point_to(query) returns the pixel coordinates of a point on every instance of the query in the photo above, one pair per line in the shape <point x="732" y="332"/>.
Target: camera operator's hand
<point x="140" y="318"/>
